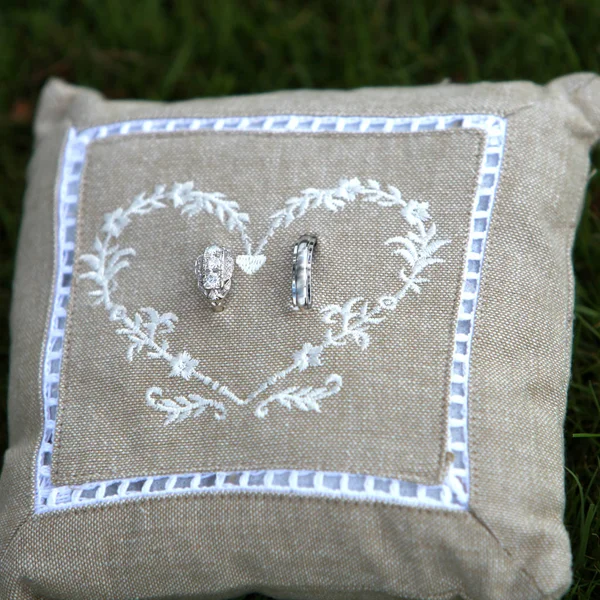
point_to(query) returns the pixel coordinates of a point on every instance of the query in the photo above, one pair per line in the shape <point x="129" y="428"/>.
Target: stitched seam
<point x="262" y="495"/>
<point x="512" y="559"/>
<point x="275" y="114"/>
<point x="444" y="463"/>
<point x="262" y="134"/>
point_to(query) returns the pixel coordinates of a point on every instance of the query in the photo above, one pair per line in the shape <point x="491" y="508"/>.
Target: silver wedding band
<point x="302" y="272"/>
<point x="214" y="271"/>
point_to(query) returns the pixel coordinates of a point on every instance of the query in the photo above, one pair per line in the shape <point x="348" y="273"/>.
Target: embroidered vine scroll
<point x="351" y="321"/>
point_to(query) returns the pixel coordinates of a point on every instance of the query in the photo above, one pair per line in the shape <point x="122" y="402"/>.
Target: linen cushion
<point x="402" y="439"/>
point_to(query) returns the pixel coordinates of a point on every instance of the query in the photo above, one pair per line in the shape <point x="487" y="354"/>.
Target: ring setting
<point x="214" y="272"/>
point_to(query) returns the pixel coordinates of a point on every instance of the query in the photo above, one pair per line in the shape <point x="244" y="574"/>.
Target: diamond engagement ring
<point x="214" y="270"/>
<point x="302" y="272"/>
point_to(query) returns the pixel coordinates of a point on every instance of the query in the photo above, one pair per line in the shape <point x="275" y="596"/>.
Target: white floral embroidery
<point x="415" y="211"/>
<point x="333" y="199"/>
<point x="418" y="249"/>
<point x="351" y="321"/>
<point x="302" y="398"/>
<point x="356" y="316"/>
<point x="181" y="408"/>
<point x="115" y="222"/>
<point x="144" y="334"/>
<point x="182" y="365"/>
<point x="308" y="356"/>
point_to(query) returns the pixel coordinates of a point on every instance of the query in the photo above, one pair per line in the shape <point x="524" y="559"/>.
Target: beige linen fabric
<point x="510" y="544"/>
<point x="395" y="389"/>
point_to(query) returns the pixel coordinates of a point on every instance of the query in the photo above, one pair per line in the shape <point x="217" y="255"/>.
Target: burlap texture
<point x="511" y="544"/>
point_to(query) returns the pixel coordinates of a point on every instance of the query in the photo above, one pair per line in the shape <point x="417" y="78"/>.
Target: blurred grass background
<point x="179" y="49"/>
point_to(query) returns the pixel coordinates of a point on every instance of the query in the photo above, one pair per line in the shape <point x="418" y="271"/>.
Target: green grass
<point x="173" y="50"/>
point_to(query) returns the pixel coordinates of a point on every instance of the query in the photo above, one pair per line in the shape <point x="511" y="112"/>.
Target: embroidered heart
<point x="250" y="263"/>
<point x="350" y="322"/>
